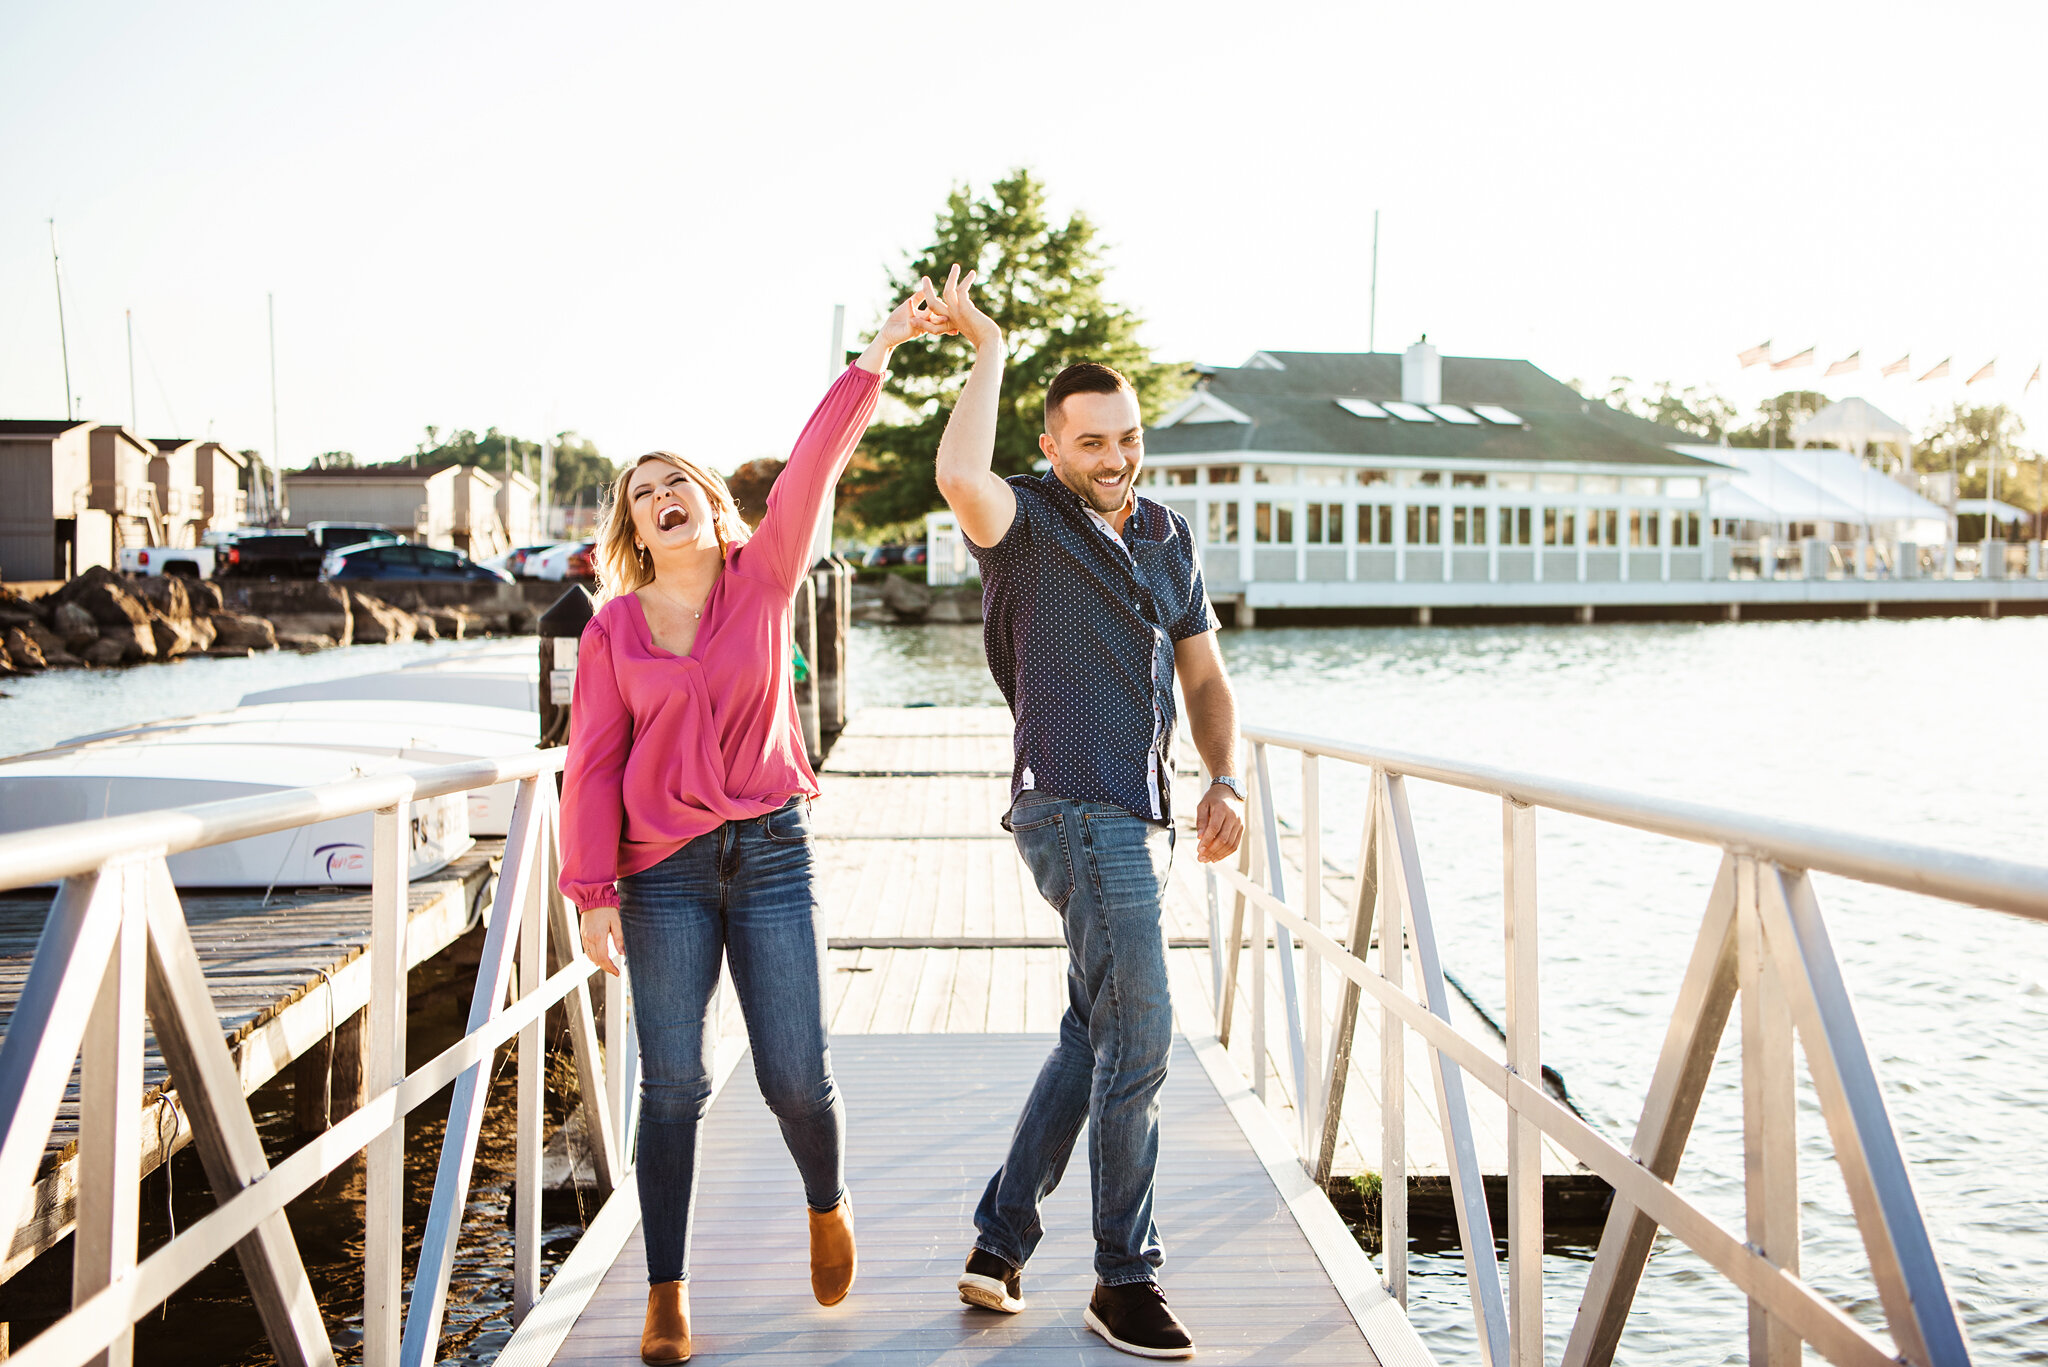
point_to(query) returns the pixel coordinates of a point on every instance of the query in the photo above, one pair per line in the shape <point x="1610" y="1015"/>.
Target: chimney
<point x="1422" y="373"/>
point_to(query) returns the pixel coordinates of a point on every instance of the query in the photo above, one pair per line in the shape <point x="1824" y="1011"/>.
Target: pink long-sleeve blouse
<point x="663" y="748"/>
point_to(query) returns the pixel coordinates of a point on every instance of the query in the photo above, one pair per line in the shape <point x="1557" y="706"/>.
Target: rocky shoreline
<point x="106" y="620"/>
<point x="902" y="598"/>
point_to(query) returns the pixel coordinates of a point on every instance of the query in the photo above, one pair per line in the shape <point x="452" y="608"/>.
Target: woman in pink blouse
<point x="685" y="815"/>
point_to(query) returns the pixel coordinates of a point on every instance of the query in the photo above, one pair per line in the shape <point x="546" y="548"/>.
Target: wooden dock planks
<point x="929" y="1118"/>
<point x="281" y="975"/>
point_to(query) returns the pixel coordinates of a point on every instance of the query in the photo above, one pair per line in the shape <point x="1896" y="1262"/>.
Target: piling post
<point x="805" y="621"/>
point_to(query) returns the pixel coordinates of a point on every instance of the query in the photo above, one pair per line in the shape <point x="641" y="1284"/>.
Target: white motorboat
<point x="492" y="681"/>
<point x="92" y="781"/>
<point x="423" y="733"/>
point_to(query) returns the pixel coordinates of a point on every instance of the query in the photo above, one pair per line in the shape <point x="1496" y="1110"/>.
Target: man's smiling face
<point x="1096" y="445"/>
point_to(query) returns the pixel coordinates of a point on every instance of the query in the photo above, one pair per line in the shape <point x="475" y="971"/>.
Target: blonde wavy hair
<point x="620" y="567"/>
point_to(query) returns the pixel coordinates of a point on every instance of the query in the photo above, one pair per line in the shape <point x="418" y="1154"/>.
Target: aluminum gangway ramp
<point x="1257" y="1263"/>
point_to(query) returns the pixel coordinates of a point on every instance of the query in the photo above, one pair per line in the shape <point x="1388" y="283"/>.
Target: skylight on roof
<point x="1409" y="412"/>
<point x="1450" y="412"/>
<point x="1362" y="408"/>
<point x="1493" y="412"/>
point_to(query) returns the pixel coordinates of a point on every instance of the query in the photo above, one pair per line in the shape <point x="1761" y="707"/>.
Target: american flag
<point x="1982" y="374"/>
<point x="1753" y="355"/>
<point x="1898" y="367"/>
<point x="1853" y="361"/>
<point x="1793" y="362"/>
<point x="1940" y="372"/>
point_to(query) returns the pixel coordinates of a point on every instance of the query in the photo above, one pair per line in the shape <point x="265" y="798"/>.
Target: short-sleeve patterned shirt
<point x="1080" y="625"/>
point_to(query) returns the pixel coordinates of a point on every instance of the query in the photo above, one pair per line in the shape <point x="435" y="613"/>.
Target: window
<point x="1642" y="526"/>
<point x="1183" y="475"/>
<point x="1635" y="486"/>
<point x="1681" y="488"/>
<point x="1325" y="524"/>
<point x="1362" y="408"/>
<point x="1408" y="412"/>
<point x="1685" y="528"/>
<point x="1560" y="527"/>
<point x="1375" y="524"/>
<point x="1272" y="474"/>
<point x="1493" y="412"/>
<point x="1273" y="523"/>
<point x="1468" y="479"/>
<point x="1427" y="479"/>
<point x="1468" y="526"/>
<point x="1518" y="483"/>
<point x="1371" y="477"/>
<point x="1557" y="484"/>
<point x="1222" y="523"/>
<point x="1324" y="475"/>
<point x="1450" y="412"/>
<point x="1514" y="526"/>
<point x="1223" y="474"/>
<point x="1600" y="484"/>
<point x="1603" y="526"/>
<point x="1425" y="526"/>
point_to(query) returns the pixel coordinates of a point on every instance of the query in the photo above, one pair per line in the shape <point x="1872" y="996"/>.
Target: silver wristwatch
<point x="1236" y="788"/>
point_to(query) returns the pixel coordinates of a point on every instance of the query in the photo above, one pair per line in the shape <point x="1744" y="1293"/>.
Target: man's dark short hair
<point x="1087" y="377"/>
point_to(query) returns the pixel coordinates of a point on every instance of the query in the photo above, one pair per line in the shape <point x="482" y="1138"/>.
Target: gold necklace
<point x="696" y="612"/>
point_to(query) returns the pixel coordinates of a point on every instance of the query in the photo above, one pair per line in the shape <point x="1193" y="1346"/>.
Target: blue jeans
<point x="1104" y="871"/>
<point x="744" y="893"/>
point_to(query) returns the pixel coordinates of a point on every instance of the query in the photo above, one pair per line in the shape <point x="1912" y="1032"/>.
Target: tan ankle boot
<point x="666" y="1337"/>
<point x="832" y="1255"/>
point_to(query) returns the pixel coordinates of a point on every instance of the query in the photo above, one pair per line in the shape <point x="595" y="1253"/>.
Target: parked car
<point x="271" y="555"/>
<point x="188" y="562"/>
<point x="569" y="560"/>
<point x="518" y="562"/>
<point x="396" y="560"/>
<point x="884" y="555"/>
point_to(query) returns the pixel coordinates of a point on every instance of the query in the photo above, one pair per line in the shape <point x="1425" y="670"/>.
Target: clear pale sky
<point x="633" y="220"/>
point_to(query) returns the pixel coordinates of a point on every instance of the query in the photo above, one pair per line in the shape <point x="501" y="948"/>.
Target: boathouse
<point x="1324" y="477"/>
<point x="174" y="475"/>
<point x="48" y="528"/>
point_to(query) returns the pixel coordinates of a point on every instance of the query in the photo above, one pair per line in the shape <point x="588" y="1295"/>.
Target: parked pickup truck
<point x="190" y="562"/>
<point x="272" y="555"/>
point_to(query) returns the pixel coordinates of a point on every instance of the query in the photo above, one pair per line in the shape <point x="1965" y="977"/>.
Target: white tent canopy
<point x="1817" y="485"/>
<point x="1997" y="507"/>
<point x="1852" y="424"/>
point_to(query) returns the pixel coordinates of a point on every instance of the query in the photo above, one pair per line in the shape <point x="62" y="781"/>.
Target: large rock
<point x="175" y="637"/>
<point x="239" y="631"/>
<point x="205" y="596"/>
<point x="23" y="650"/>
<point x="166" y="596"/>
<point x="377" y="622"/>
<point x="55" y="654"/>
<point x="76" y="627"/>
<point x="124" y="645"/>
<point x="300" y="608"/>
<point x="906" y="597"/>
<point x="106" y="595"/>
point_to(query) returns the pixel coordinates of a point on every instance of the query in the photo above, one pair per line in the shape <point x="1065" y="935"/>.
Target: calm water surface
<point x="1931" y="731"/>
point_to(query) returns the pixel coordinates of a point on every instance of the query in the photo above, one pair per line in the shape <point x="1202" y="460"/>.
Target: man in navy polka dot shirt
<point x="1093" y="606"/>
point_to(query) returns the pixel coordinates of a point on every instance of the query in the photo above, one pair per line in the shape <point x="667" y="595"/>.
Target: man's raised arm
<point x="978" y="496"/>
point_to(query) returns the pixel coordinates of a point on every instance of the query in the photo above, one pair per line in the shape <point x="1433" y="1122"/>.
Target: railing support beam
<point x="1525" y="1058"/>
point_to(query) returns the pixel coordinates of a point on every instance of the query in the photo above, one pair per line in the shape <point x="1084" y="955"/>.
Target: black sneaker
<point x="991" y="1283"/>
<point x="1134" y="1318"/>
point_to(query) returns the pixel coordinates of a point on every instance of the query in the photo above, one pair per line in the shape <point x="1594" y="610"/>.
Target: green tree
<point x="336" y="460"/>
<point x="1969" y="441"/>
<point x="1775" y="418"/>
<point x="1042" y="282"/>
<point x="1702" y="413"/>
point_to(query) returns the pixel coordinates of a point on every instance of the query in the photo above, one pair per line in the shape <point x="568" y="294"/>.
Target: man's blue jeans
<point x="1104" y="870"/>
<point x="744" y="893"/>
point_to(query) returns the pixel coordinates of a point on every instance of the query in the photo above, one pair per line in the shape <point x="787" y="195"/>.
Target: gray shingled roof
<point x="1295" y="410"/>
<point x="39" y="427"/>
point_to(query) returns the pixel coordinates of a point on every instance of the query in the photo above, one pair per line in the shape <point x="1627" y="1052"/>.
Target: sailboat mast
<point x="63" y="342"/>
